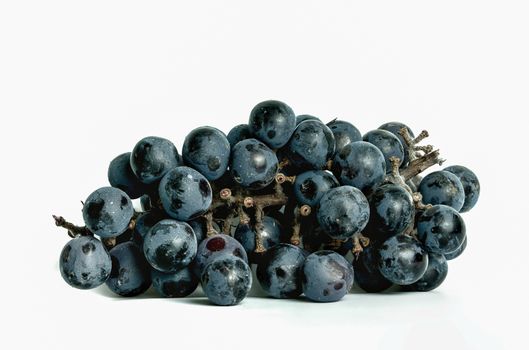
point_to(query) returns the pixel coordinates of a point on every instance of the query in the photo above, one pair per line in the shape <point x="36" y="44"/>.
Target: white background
<point x="81" y="82"/>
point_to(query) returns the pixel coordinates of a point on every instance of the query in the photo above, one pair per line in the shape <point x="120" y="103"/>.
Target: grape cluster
<point x="317" y="207"/>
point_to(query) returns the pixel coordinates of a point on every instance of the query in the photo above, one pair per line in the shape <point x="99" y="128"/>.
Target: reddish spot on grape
<point x="215" y="244"/>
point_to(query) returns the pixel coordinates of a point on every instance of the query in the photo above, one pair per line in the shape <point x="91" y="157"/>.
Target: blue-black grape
<point x="131" y="273"/>
<point x="456" y="253"/>
<point x="270" y="235"/>
<point x="152" y="158"/>
<point x="311" y="146"/>
<point x="442" y="187"/>
<point x="279" y="272"/>
<point x="326" y="276"/>
<point x="146" y="203"/>
<point x="344" y="133"/>
<point x="391" y="212"/>
<point x="311" y="185"/>
<point x="185" y="193"/>
<point x="343" y="211"/>
<point x="176" y="284"/>
<point x="360" y="164"/>
<point x="215" y="247"/>
<point x="388" y="144"/>
<point x="199" y="226"/>
<point x="145" y="221"/>
<point x="107" y="212"/>
<point x="85" y="263"/>
<point x="394" y="128"/>
<point x="441" y="229"/>
<point x="367" y="274"/>
<point x="120" y="175"/>
<point x="207" y="150"/>
<point x="470" y="183"/>
<point x="226" y="280"/>
<point x="403" y="260"/>
<point x="301" y="118"/>
<point x="239" y="133"/>
<point x="272" y="122"/>
<point x="433" y="277"/>
<point x="170" y="245"/>
<point x="253" y="164"/>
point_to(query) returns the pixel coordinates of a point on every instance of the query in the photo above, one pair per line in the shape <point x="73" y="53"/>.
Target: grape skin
<point x="131" y="273"/>
<point x="433" y="277"/>
<point x="270" y="235"/>
<point x="394" y="128"/>
<point x="344" y="133"/>
<point x="170" y="245"/>
<point x="185" y="193"/>
<point x="456" y="253"/>
<point x="442" y="187"/>
<point x="402" y="260"/>
<point x="279" y="272"/>
<point x="470" y="183"/>
<point x="215" y="247"/>
<point x="311" y="146"/>
<point x="152" y="158"/>
<point x="303" y="117"/>
<point x="360" y="164"/>
<point x="388" y="144"/>
<point x="441" y="229"/>
<point x="207" y="150"/>
<point x="366" y="273"/>
<point x="107" y="212"/>
<point x="176" y="284"/>
<point x="85" y="263"/>
<point x="239" y="133"/>
<point x="327" y="276"/>
<point x="343" y="211"/>
<point x="311" y="185"/>
<point x="253" y="164"/>
<point x="226" y="280"/>
<point x="272" y="122"/>
<point x="120" y="175"/>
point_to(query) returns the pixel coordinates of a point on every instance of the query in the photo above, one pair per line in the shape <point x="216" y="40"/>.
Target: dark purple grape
<point x="120" y="175"/>
<point x="272" y="122"/>
<point x="458" y="251"/>
<point x="433" y="277"/>
<point x="442" y="187"/>
<point x="470" y="183"/>
<point x="239" y="133"/>
<point x="253" y="164"/>
<point x="394" y="128"/>
<point x="131" y="273"/>
<point x="152" y="158"/>
<point x="311" y="185"/>
<point x="176" y="284"/>
<point x="327" y="276"/>
<point x="226" y="280"/>
<point x="303" y="117"/>
<point x="344" y="133"/>
<point x="441" y="229"/>
<point x="402" y="260"/>
<point x="215" y="247"/>
<point x="270" y="235"/>
<point x="367" y="274"/>
<point x="388" y="144"/>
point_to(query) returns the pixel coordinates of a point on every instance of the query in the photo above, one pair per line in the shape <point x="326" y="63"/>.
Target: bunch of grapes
<point x="315" y="206"/>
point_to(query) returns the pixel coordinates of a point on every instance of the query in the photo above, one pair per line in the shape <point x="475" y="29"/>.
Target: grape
<point x="344" y="133"/>
<point x="207" y="150"/>
<point x="388" y="144"/>
<point x="402" y="260"/>
<point x="145" y="221"/>
<point x="301" y="118"/>
<point x="152" y="158"/>
<point x="391" y="212"/>
<point x="279" y="272"/>
<point x="215" y="247"/>
<point x="456" y="253"/>
<point x="170" y="245"/>
<point x="327" y="276"/>
<point x="107" y="212"/>
<point x="394" y="128"/>
<point x="441" y="229"/>
<point x="270" y="235"/>
<point x="85" y="263"/>
<point x="226" y="280"/>
<point x="239" y="133"/>
<point x="185" y="193"/>
<point x="360" y="164"/>
<point x="120" y="175"/>
<point x="470" y="183"/>
<point x="311" y="185"/>
<point x="131" y="273"/>
<point x="433" y="277"/>
<point x="272" y="122"/>
<point x="145" y="202"/>
<point x="253" y="164"/>
<point x="366" y="273"/>
<point x="176" y="284"/>
<point x="414" y="183"/>
<point x="343" y="211"/>
<point x="442" y="187"/>
<point x="311" y="146"/>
